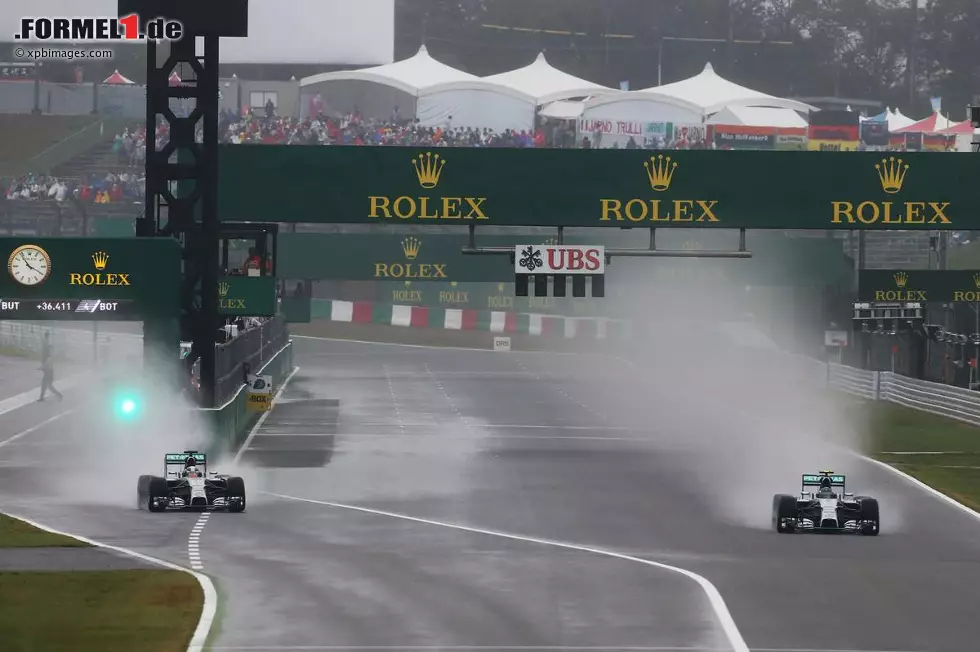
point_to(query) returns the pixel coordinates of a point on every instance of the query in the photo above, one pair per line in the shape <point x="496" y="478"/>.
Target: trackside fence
<point x="936" y="398"/>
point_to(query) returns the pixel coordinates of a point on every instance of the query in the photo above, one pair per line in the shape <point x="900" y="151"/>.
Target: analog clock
<point x="29" y="265"/>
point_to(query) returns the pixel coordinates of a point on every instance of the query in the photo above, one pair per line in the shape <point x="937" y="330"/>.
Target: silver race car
<point x="187" y="484"/>
<point x="824" y="506"/>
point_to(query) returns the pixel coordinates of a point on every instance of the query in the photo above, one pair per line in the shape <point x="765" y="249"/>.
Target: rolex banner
<point x="901" y="286"/>
<point x="671" y="189"/>
<point x="248" y="296"/>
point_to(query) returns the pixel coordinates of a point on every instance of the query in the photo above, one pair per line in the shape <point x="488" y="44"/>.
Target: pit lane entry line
<point x="194" y="542"/>
<point x="209" y="608"/>
<point x="714" y="597"/>
<point x="265" y="415"/>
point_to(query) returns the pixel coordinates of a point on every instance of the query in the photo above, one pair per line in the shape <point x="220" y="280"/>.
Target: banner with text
<point x="559" y="259"/>
<point x="584" y="188"/>
<point x="900" y="286"/>
<point x="608" y="134"/>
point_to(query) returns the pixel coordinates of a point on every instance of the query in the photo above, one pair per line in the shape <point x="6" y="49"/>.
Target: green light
<point x="127" y="407"/>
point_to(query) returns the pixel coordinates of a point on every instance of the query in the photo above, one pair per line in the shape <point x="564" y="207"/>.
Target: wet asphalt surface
<point x="406" y="498"/>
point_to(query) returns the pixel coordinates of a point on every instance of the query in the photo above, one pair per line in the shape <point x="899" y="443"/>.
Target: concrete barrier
<point x="231" y="422"/>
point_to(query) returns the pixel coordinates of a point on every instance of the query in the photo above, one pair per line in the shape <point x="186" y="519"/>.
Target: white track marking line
<point x="421" y="435"/>
<point x="35" y="427"/>
<point x="210" y="595"/>
<point x="714" y="597"/>
<point x="522" y="648"/>
<point x="922" y="485"/>
<point x="518" y="426"/>
<point x="924" y="453"/>
<point x="554" y="380"/>
<point x="265" y="415"/>
<point x="194" y="541"/>
<point x="394" y="401"/>
<point x="18" y="401"/>
<point x="449" y="399"/>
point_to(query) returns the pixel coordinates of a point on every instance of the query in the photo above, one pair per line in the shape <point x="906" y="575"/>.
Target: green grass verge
<point x="18" y="534"/>
<point x="11" y="352"/>
<point x="955" y="472"/>
<point x="99" y="611"/>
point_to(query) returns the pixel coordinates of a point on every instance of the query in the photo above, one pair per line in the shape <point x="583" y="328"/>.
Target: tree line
<point x="898" y="52"/>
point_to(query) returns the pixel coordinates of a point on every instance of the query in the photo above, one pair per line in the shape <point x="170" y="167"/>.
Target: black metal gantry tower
<point x="182" y="178"/>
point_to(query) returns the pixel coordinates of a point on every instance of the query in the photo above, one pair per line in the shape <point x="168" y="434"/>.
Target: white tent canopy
<point x="896" y="120"/>
<point x="546" y="83"/>
<point x="563" y="110"/>
<point x="758" y="116"/>
<point x="424" y="88"/>
<point x="642" y="107"/>
<point x="408" y="75"/>
<point x="713" y="93"/>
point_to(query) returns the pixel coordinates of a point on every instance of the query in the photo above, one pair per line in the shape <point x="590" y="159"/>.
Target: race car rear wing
<point x="836" y="481"/>
<point x="174" y="463"/>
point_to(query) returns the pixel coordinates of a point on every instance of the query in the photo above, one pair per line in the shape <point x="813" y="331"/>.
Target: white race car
<point x="187" y="484"/>
<point x="828" y="509"/>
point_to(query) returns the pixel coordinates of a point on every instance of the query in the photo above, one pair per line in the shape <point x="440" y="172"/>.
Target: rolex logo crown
<point x="100" y="259"/>
<point x="901" y="279"/>
<point x="660" y="170"/>
<point x="891" y="173"/>
<point x="428" y="168"/>
<point x="411" y="246"/>
<point x="223" y="288"/>
<point x="976" y="280"/>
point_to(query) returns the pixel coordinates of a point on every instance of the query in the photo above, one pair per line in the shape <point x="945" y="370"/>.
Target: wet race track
<point x="416" y="498"/>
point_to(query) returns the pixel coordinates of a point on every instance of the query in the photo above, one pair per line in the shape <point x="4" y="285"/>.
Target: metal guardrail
<point x="935" y="398"/>
<point x="857" y="382"/>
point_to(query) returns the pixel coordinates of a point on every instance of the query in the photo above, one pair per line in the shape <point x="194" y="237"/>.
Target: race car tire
<point x="236" y="489"/>
<point x="869" y="512"/>
<point x="157" y="489"/>
<point x="783" y="506"/>
<point x="143" y="491"/>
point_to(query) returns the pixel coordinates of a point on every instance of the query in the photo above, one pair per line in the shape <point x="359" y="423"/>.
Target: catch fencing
<point x="77" y="345"/>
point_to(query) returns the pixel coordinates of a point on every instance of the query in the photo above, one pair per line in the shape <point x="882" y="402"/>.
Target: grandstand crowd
<point x="124" y="181"/>
<point x="123" y="186"/>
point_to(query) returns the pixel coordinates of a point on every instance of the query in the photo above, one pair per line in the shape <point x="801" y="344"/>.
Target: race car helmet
<point x="826" y="485"/>
<point x="192" y="472"/>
